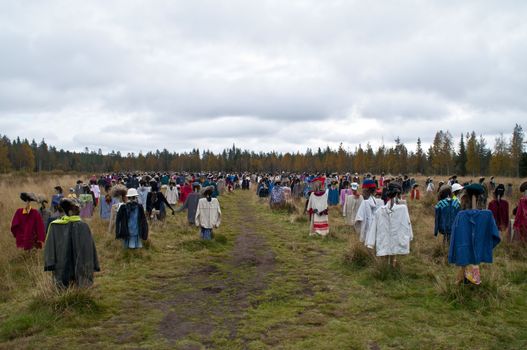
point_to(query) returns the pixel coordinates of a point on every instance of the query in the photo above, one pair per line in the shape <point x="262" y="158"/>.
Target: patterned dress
<point x="317" y="208"/>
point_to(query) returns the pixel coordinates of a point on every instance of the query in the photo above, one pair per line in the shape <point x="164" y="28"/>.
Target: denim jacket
<point x="474" y="236"/>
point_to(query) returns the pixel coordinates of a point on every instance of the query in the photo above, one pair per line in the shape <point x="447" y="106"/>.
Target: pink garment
<point x="343" y="193"/>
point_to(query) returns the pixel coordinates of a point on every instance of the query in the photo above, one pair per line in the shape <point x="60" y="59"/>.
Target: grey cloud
<point x="293" y="74"/>
<point x="403" y="105"/>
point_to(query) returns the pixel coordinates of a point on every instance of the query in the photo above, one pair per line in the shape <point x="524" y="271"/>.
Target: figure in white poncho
<point x="391" y="230"/>
<point x="367" y="208"/>
<point x="172" y="194"/>
<point x="208" y="214"/>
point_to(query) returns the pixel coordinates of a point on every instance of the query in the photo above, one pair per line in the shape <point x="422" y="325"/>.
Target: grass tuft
<point x="49" y="309"/>
<point x="286" y="208"/>
<point x="491" y="293"/>
<point x="68" y="301"/>
<point x="383" y="271"/>
<point x="358" y="256"/>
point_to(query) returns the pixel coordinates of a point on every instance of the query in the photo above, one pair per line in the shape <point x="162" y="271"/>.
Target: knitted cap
<point x="368" y="184"/>
<point x="319" y="179"/>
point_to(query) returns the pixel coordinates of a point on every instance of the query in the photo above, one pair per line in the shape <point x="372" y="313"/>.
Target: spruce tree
<point x="461" y="158"/>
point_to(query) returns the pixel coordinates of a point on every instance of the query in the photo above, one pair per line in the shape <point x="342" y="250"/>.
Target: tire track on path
<point x="211" y="301"/>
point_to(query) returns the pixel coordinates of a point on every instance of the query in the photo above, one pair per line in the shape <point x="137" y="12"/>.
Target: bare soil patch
<point x="220" y="296"/>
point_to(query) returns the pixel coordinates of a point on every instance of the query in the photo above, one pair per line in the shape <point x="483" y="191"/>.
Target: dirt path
<point x="214" y="298"/>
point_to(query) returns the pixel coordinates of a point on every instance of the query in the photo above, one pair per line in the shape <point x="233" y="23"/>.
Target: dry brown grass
<point x="21" y="272"/>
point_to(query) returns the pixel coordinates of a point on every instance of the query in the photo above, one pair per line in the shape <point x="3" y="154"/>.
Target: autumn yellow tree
<point x="5" y="163"/>
<point x="359" y="160"/>
<point x="341" y="165"/>
<point x="26" y="157"/>
<point x="442" y="153"/>
<point x="500" y="162"/>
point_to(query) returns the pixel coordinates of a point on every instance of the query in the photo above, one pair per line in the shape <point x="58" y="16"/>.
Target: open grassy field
<point x="262" y="283"/>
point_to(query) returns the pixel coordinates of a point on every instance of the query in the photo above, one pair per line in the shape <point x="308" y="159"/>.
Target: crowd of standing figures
<point x="472" y="217"/>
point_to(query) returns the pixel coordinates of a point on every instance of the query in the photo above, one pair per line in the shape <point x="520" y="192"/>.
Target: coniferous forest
<point x="471" y="155"/>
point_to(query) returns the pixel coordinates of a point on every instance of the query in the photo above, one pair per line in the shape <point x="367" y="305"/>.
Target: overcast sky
<point x="267" y="75"/>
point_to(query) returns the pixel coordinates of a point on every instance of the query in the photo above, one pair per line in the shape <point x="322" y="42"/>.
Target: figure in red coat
<point x="500" y="208"/>
<point x="185" y="190"/>
<point x="27" y="226"/>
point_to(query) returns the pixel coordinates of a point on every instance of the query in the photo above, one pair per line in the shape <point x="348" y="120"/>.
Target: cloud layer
<point x="141" y="75"/>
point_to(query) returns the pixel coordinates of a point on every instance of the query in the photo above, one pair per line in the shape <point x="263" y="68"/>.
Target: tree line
<point x="471" y="156"/>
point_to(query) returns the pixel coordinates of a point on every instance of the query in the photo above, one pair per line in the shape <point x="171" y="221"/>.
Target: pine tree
<point x="516" y="148"/>
<point x="341" y="159"/>
<point x="473" y="156"/>
<point x="380" y="158"/>
<point x="401" y="154"/>
<point x="42" y="155"/>
<point x="420" y="158"/>
<point x="5" y="163"/>
<point x="447" y="152"/>
<point x="370" y="159"/>
<point x="34" y="148"/>
<point x="461" y="159"/>
<point x="523" y="165"/>
<point x="359" y="160"/>
<point x="430" y="158"/>
<point x="436" y="159"/>
<point x="484" y="155"/>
